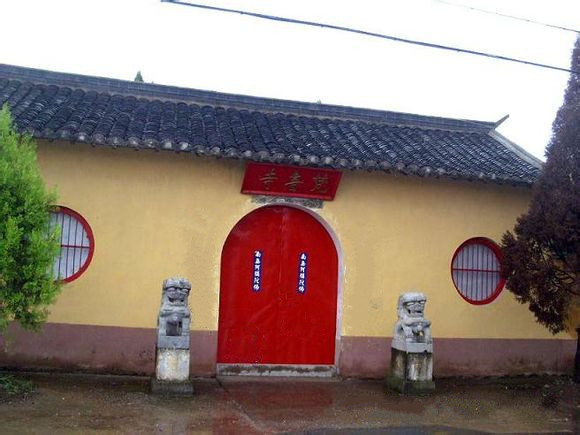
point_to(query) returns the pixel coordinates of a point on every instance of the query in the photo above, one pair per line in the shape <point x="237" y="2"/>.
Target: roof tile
<point x="117" y="113"/>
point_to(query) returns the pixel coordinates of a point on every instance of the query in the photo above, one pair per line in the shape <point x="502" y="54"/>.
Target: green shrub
<point x="27" y="247"/>
<point x="11" y="386"/>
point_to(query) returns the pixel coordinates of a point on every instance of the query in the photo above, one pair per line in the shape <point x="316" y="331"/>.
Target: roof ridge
<point x="190" y="95"/>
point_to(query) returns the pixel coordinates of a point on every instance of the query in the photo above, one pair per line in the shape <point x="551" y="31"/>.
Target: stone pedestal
<point x="411" y="372"/>
<point x="172" y="372"/>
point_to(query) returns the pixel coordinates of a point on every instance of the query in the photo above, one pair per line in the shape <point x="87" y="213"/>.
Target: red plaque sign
<point x="298" y="181"/>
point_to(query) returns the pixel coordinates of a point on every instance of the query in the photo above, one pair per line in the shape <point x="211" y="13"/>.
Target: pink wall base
<point x="108" y="349"/>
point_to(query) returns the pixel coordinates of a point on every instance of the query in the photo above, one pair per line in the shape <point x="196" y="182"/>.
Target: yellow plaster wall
<point x="159" y="214"/>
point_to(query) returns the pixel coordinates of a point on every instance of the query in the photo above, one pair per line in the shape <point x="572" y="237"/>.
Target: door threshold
<point x="277" y="370"/>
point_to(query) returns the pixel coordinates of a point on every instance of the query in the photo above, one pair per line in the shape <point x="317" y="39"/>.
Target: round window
<point x="476" y="271"/>
<point x="76" y="244"/>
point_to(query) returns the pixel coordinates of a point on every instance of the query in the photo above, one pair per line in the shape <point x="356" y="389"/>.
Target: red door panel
<point x="278" y="324"/>
<point x="239" y="303"/>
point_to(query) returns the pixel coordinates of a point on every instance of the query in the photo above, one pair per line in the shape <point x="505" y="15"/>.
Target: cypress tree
<point x="28" y="247"/>
<point x="541" y="256"/>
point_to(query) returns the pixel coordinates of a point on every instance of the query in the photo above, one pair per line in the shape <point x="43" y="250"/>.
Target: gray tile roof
<point x="118" y="113"/>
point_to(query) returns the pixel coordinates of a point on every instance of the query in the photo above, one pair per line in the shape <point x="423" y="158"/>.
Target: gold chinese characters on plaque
<point x="295" y="181"/>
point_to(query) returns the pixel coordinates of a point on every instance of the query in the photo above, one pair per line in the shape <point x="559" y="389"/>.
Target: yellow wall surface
<point x="160" y="214"/>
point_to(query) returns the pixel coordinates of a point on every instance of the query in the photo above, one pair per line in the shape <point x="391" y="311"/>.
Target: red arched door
<point x="278" y="292"/>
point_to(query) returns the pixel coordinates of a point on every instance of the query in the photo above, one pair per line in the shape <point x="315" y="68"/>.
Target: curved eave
<point x="310" y="160"/>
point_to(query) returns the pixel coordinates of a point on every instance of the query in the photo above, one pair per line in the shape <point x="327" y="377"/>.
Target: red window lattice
<point x="76" y="244"/>
<point x="476" y="271"/>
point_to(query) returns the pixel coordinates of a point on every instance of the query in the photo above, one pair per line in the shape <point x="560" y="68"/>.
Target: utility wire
<point x="373" y="34"/>
<point x="513" y="17"/>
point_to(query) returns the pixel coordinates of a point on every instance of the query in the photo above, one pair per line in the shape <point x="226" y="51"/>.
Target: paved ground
<point x="98" y="404"/>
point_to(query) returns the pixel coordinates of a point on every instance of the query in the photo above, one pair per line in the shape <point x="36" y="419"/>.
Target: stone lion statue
<point x="174" y="314"/>
<point x="412" y="331"/>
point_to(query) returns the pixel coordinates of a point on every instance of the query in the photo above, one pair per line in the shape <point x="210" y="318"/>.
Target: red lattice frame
<point x="498" y="254"/>
<point x="90" y="236"/>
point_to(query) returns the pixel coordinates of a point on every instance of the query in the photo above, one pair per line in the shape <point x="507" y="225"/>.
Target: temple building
<point x="299" y="225"/>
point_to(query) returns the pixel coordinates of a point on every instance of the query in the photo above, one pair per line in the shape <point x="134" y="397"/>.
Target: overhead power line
<point x="373" y="34"/>
<point x="513" y="17"/>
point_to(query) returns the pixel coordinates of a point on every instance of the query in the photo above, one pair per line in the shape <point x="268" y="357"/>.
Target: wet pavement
<point x="106" y="404"/>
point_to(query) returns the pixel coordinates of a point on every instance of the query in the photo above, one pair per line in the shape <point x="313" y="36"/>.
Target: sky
<point x="194" y="48"/>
